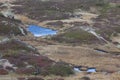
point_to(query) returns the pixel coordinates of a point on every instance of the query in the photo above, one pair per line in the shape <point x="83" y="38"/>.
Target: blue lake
<point x="39" y="31"/>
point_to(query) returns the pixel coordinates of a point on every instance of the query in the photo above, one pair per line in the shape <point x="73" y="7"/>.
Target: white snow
<point x="91" y="70"/>
<point x="5" y="63"/>
<point x="22" y="31"/>
<point x="77" y="69"/>
<point x="92" y="31"/>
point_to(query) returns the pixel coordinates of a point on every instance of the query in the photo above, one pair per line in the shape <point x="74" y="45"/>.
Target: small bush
<point x="7" y="30"/>
<point x="61" y="70"/>
<point x="20" y="78"/>
<point x="118" y="6"/>
<point x="35" y="78"/>
<point x="27" y="71"/>
<point x="85" y="78"/>
<point x="3" y="72"/>
<point x="31" y="78"/>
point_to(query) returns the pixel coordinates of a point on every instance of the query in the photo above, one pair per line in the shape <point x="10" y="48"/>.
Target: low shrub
<point x="27" y="71"/>
<point x="56" y="79"/>
<point x="3" y="72"/>
<point x="31" y="78"/>
<point x="75" y="37"/>
<point x="85" y="78"/>
<point x="35" y="78"/>
<point x="20" y="78"/>
<point x="61" y="70"/>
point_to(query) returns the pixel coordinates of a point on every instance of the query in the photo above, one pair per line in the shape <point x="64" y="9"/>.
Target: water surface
<point x="39" y="31"/>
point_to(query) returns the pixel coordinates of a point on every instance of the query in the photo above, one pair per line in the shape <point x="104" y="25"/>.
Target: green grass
<point x="81" y="35"/>
<point x="75" y="37"/>
<point x="10" y="52"/>
<point x="105" y="8"/>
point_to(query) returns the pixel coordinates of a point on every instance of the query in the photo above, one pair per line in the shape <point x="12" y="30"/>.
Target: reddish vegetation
<point x="59" y="79"/>
<point x="56" y="79"/>
<point x="31" y="59"/>
<point x="3" y="72"/>
<point x="40" y="61"/>
<point x="20" y="78"/>
<point x="31" y="78"/>
<point x="35" y="78"/>
<point x="28" y="62"/>
<point x="25" y="71"/>
<point x="23" y="60"/>
<point x="38" y="78"/>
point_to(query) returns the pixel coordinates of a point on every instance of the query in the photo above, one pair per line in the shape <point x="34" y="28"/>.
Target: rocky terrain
<point x="88" y="37"/>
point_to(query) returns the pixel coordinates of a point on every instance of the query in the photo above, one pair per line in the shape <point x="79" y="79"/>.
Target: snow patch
<point x="22" y="31"/>
<point x="77" y="69"/>
<point x="91" y="70"/>
<point x="92" y="31"/>
<point x="5" y="63"/>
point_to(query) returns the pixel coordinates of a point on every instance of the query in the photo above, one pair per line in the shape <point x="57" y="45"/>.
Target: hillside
<point x="87" y="36"/>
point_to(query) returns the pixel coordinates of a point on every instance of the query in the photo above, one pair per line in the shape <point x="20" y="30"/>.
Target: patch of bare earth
<point x="85" y="17"/>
